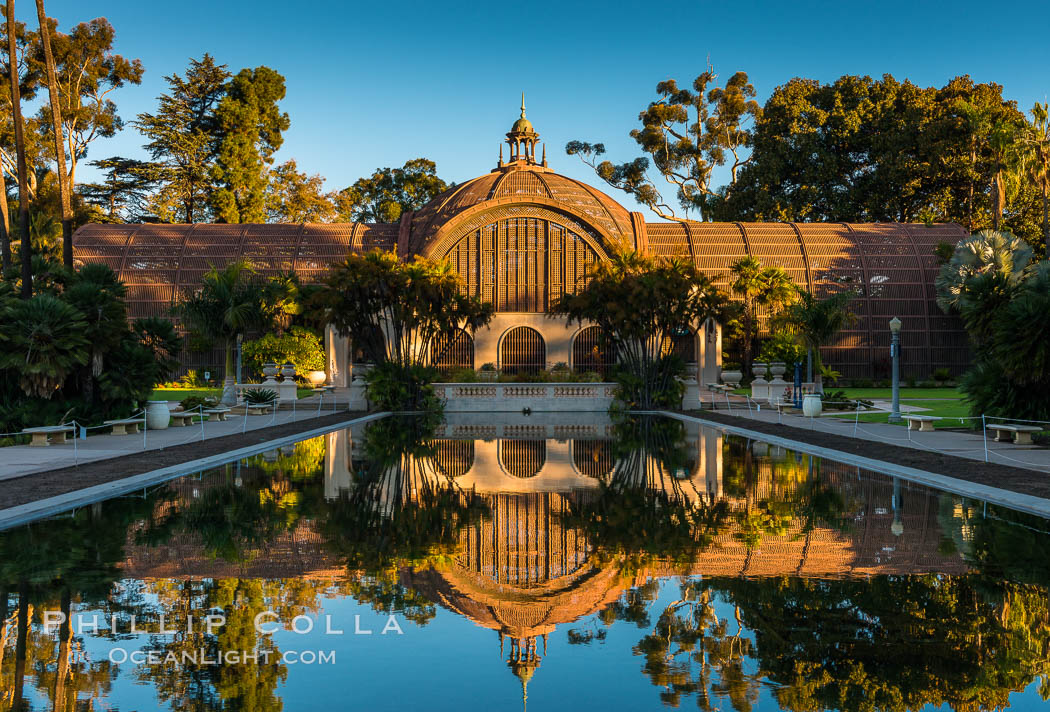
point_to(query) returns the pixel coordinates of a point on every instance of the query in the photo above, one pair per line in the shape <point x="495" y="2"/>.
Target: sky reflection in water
<point x="632" y="566"/>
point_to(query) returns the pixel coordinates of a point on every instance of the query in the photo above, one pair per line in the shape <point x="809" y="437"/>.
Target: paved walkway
<point x="19" y="460"/>
<point x="960" y="444"/>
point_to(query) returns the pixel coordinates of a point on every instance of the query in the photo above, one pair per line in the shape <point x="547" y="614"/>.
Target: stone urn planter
<point x="270" y="372"/>
<point x="811" y="405"/>
<point x="288" y="371"/>
<point x="758" y="371"/>
<point x="489" y="374"/>
<point x="777" y="368"/>
<point x="316" y="378"/>
<point x="157" y="415"/>
<point x="732" y="377"/>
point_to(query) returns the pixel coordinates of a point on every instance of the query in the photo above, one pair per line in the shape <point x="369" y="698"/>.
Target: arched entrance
<point x="522" y="350"/>
<point x="591" y="353"/>
<point x="452" y="351"/>
<point x="522" y="458"/>
<point x="682" y="343"/>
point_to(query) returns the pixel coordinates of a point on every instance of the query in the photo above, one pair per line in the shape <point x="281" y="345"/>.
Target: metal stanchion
<point x="320" y="399"/>
<point x="76" y="432"/>
<point x="984" y="429"/>
<point x="145" y="424"/>
<point x="200" y="412"/>
<point x="856" y="421"/>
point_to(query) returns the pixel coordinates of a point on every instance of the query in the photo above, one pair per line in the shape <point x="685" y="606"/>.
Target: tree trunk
<point x="5" y="236"/>
<point x="20" y="152"/>
<point x="64" y="183"/>
<point x="65" y="636"/>
<point x="21" y="642"/>
<point x="998" y="199"/>
<point x="1046" y="218"/>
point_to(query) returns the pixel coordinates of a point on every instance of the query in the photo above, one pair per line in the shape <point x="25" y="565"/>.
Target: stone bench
<point x="922" y="423"/>
<point x="1022" y="433"/>
<point x="48" y="435"/>
<point x="257" y="409"/>
<point x="182" y="418"/>
<point x="216" y="413"/>
<point x="124" y="426"/>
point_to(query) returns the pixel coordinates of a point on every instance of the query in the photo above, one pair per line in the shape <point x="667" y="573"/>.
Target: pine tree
<point x="250" y="125"/>
<point x="182" y="139"/>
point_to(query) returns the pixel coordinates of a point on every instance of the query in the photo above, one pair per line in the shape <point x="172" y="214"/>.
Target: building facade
<point x="521" y="235"/>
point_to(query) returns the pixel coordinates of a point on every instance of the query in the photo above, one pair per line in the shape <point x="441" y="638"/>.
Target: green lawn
<point x="178" y="394"/>
<point x="885" y="393"/>
<point x="950" y="410"/>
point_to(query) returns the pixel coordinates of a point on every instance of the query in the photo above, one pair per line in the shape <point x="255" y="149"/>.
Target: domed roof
<point x="522" y="184"/>
<point x="522" y="125"/>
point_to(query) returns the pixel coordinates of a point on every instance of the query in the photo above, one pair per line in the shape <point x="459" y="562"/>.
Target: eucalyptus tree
<point x="20" y="151"/>
<point x="686" y="134"/>
<point x="1036" y="141"/>
<point x="640" y="301"/>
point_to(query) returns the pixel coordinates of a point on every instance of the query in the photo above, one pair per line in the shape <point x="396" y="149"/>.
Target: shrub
<point x="196" y="379"/>
<point x="941" y="375"/>
<point x="400" y="388"/>
<point x="259" y="396"/>
<point x="193" y="402"/>
<point x="298" y="346"/>
<point x="782" y="347"/>
<point x="462" y="375"/>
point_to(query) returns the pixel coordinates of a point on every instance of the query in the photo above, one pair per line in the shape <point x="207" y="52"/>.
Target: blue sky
<point x="373" y="84"/>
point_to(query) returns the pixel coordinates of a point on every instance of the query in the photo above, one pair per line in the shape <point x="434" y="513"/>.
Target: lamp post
<point x="895" y="354"/>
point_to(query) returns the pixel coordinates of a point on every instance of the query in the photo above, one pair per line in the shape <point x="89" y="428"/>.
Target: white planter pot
<point x="316" y="378"/>
<point x="811" y="405"/>
<point x="732" y="378"/>
<point x="157" y="415"/>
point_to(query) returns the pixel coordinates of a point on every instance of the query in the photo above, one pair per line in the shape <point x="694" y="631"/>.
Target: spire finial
<point x="523" y="105"/>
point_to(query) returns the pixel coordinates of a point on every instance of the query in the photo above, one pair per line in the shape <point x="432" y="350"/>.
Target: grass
<point x="950" y="410"/>
<point x="886" y="393"/>
<point x="178" y="394"/>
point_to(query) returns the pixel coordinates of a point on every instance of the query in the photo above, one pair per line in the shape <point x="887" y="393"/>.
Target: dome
<point x="522" y="125"/>
<point x="519" y="188"/>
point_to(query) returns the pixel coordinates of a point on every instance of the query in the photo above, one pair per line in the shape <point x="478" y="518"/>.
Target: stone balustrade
<point x="516" y="397"/>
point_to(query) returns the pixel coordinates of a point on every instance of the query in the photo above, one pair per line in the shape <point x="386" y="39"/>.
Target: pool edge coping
<point x="40" y="509"/>
<point x="1018" y="501"/>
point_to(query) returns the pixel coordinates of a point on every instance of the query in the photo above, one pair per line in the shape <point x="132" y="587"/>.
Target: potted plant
<point x="488" y="372"/>
<point x="560" y="372"/>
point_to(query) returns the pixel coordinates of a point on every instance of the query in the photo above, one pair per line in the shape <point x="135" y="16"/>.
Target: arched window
<point x="448" y="352"/>
<point x="522" y="351"/>
<point x="454" y="457"/>
<point x="523" y="458"/>
<point x="590" y="352"/>
<point x="593" y="458"/>
<point x="682" y="342"/>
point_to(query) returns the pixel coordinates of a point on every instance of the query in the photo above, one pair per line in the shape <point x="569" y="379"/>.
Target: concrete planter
<point x="157" y="415"/>
<point x="811" y="405"/>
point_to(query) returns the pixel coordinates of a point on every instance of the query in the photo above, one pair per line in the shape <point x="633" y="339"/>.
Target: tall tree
<point x="389" y="192"/>
<point x="182" y="139"/>
<point x="1036" y="140"/>
<point x="686" y="134"/>
<point x="8" y="154"/>
<point x="56" y="129"/>
<point x="250" y="127"/>
<point x="20" y="151"/>
<point x="87" y="73"/>
<point x="296" y="197"/>
<point x="125" y="190"/>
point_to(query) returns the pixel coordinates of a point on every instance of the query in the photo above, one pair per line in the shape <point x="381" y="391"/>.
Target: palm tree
<point x="229" y="302"/>
<point x="816" y="321"/>
<point x="44" y="341"/>
<point x="56" y="126"/>
<point x="99" y="295"/>
<point x="20" y="153"/>
<point x="757" y="286"/>
<point x="986" y="252"/>
<point x="1037" y="158"/>
<point x="1003" y="144"/>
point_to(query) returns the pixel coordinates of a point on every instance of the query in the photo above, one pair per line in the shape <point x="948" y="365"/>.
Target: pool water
<point x="528" y="564"/>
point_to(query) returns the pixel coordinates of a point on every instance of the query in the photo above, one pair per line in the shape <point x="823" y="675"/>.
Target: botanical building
<point x="522" y="234"/>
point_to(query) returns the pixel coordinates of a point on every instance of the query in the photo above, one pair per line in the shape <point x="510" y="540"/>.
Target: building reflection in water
<point x="525" y="568"/>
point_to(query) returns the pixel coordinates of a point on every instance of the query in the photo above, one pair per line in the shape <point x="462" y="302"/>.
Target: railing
<point x="515" y="397"/>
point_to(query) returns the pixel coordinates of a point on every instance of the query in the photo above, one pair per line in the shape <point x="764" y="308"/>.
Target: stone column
<point x="337" y="362"/>
<point x="709" y="357"/>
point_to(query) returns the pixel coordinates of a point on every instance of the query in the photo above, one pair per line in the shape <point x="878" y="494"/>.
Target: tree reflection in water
<point x="652" y="533"/>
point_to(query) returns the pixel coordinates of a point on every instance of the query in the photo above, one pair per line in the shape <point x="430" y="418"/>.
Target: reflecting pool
<point x="556" y="563"/>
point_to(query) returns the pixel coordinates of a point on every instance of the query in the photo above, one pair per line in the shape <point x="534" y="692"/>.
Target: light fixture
<point x="895" y="325"/>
